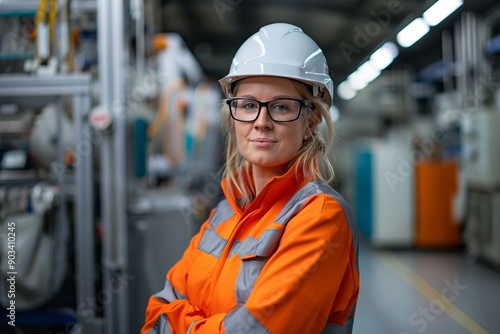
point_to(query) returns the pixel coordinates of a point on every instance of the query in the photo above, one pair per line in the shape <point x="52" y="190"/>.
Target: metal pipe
<point x="66" y="66"/>
<point x="103" y="11"/>
<point x="464" y="59"/>
<point x="105" y="53"/>
<point x="459" y="61"/>
<point x="482" y="73"/>
<point x="108" y="217"/>
<point x="473" y="61"/>
<point x="469" y="61"/>
<point x="62" y="216"/>
<point x="120" y="115"/>
<point x="447" y="50"/>
<point x="118" y="241"/>
<point x="139" y="40"/>
<point x="84" y="230"/>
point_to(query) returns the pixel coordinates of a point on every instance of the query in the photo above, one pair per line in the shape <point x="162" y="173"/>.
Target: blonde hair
<point x="237" y="169"/>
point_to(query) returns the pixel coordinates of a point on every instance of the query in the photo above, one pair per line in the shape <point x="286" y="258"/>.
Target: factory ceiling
<point x="348" y="31"/>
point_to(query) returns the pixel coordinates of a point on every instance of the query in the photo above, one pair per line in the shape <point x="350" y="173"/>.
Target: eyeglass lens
<point x="280" y="110"/>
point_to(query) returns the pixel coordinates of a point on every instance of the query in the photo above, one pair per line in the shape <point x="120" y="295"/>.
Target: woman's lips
<point x="262" y="142"/>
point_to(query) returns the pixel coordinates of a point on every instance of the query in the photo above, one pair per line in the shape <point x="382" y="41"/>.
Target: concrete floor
<point x="421" y="291"/>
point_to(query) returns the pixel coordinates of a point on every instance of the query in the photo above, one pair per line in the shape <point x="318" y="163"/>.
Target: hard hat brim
<point x="323" y="81"/>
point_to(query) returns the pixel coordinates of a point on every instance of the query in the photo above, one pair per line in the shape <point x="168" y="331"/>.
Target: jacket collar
<point x="278" y="188"/>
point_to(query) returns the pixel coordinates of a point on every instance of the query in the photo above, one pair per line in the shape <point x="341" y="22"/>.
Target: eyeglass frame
<point x="303" y="103"/>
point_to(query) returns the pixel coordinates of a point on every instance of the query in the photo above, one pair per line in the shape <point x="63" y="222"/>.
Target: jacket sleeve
<point x="310" y="280"/>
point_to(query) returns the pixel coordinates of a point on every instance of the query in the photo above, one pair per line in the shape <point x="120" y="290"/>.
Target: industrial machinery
<point x="96" y="140"/>
<point x="384" y="197"/>
<point x="481" y="161"/>
<point x="479" y="125"/>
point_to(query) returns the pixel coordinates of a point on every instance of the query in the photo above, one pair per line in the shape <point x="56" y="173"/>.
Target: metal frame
<point x="112" y="60"/>
<point x="112" y="53"/>
<point x="32" y="5"/>
<point x="77" y="86"/>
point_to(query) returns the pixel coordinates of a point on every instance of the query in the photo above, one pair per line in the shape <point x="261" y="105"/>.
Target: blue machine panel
<point x="364" y="191"/>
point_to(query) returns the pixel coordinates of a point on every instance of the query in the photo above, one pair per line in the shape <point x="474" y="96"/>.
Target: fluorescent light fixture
<point x="334" y="113"/>
<point x="412" y="32"/>
<point x="441" y="10"/>
<point x="356" y="81"/>
<point x="384" y="56"/>
<point x="367" y="72"/>
<point x="345" y="91"/>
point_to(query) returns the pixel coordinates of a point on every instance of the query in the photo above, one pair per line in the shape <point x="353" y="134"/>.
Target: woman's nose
<point x="263" y="121"/>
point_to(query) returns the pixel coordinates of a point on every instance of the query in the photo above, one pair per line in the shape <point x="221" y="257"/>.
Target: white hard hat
<point x="281" y="50"/>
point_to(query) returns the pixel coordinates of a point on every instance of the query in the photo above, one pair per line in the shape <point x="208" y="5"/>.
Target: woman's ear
<point x="314" y="120"/>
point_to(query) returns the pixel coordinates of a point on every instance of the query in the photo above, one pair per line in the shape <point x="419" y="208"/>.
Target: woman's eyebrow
<point x="273" y="98"/>
<point x="247" y="96"/>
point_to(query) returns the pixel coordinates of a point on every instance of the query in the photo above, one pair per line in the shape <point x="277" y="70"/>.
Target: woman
<point x="279" y="253"/>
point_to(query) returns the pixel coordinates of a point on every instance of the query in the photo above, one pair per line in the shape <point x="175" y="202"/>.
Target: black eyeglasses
<point x="245" y="109"/>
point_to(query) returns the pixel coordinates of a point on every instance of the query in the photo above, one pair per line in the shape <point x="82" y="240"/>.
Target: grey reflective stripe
<point x="247" y="277"/>
<point x="323" y="187"/>
<point x="168" y="293"/>
<point x="263" y="246"/>
<point x="191" y="326"/>
<point x="339" y="329"/>
<point x="223" y="212"/>
<point x="212" y="243"/>
<point x="295" y="203"/>
<point x="318" y="186"/>
<point x="241" y="321"/>
<point x="161" y="326"/>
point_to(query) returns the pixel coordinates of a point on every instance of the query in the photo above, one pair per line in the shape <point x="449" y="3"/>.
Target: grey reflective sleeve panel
<point x="161" y="326"/>
<point x="168" y="294"/>
<point x="340" y="329"/>
<point x="241" y="321"/>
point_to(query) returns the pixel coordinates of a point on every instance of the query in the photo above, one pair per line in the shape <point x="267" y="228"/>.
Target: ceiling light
<point x="384" y="56"/>
<point x="441" y="10"/>
<point x="345" y="91"/>
<point x="412" y="32"/>
<point x="356" y="81"/>
<point x="367" y="72"/>
<point x="334" y="113"/>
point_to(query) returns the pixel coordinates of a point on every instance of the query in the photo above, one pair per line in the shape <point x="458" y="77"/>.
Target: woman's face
<point x="265" y="143"/>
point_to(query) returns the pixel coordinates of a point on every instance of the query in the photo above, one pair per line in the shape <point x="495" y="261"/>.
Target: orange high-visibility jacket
<point x="287" y="264"/>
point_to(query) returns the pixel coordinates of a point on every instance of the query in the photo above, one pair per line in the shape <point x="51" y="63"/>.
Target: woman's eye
<point x="250" y="106"/>
<point x="280" y="107"/>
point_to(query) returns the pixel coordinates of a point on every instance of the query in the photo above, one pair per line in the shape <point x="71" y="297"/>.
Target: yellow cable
<point x="40" y="15"/>
<point x="40" y="18"/>
<point x="52" y="24"/>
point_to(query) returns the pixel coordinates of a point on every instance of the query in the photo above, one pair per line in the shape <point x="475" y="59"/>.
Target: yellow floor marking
<point x="429" y="292"/>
